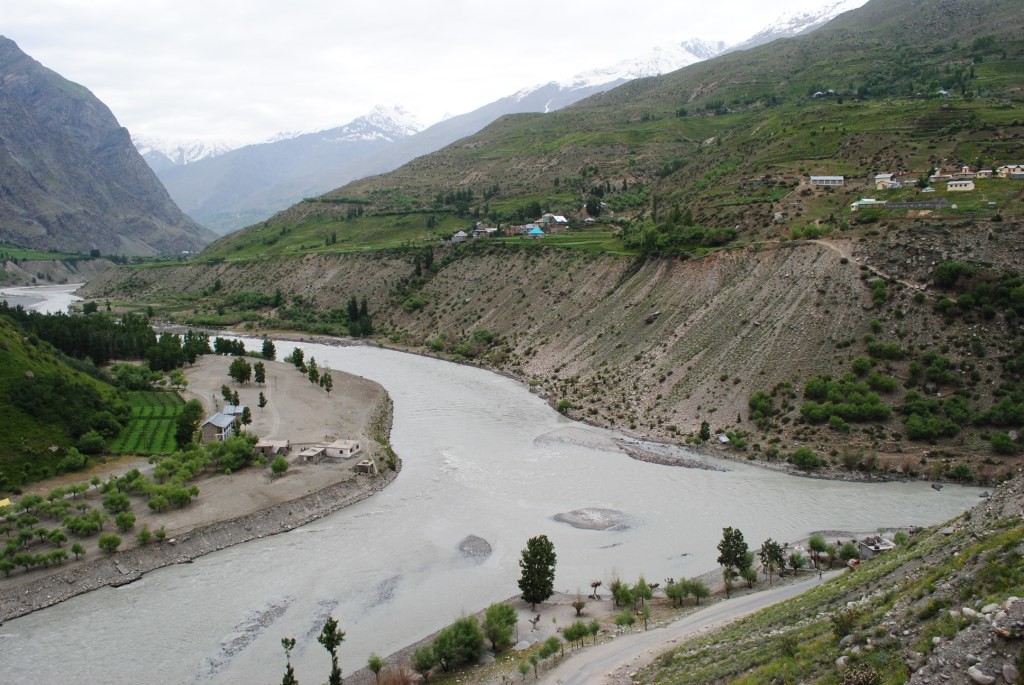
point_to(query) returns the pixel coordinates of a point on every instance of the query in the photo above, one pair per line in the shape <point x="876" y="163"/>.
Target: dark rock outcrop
<point x="70" y="178"/>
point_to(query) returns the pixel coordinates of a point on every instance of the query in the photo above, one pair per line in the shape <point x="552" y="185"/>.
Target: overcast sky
<point x="243" y="70"/>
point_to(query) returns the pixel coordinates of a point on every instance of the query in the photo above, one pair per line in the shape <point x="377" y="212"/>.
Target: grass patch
<point x="152" y="425"/>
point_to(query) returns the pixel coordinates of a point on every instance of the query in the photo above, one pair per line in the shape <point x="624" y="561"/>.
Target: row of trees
<point x="463" y="641"/>
<point x="737" y="560"/>
<point x="312" y="370"/>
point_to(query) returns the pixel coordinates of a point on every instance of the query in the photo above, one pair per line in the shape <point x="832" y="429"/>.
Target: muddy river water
<point x="482" y="456"/>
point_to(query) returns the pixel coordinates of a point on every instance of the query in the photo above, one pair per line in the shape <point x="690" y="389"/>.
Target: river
<point x="482" y="456"/>
<point x="46" y="299"/>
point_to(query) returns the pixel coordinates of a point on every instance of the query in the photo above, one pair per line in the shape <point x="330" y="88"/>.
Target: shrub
<point x="109" y="542"/>
<point x="1002" y="443"/>
<point x="805" y="458"/>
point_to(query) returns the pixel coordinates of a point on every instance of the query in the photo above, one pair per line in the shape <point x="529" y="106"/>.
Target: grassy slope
<point x="895" y="604"/>
<point x="751" y="130"/>
<point x="24" y="440"/>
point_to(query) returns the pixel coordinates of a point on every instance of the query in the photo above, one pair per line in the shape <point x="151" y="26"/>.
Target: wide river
<point x="482" y="456"/>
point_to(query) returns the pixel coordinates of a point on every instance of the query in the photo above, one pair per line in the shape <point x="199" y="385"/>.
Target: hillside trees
<point x="187" y="422"/>
<point x="268" y="350"/>
<point x="499" y="621"/>
<point x="773" y="557"/>
<point x="460" y="643"/>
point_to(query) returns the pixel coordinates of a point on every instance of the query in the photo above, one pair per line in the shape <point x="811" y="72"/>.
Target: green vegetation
<point x="48" y="399"/>
<point x="538" y="570"/>
<point x="153" y="424"/>
<point x="797" y="639"/>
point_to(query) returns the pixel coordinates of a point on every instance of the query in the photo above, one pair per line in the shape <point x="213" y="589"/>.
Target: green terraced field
<point x="151" y="429"/>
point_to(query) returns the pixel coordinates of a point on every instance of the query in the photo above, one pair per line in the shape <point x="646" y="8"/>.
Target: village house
<point x="984" y="173"/>
<point x="216" y="427"/>
<point x="964" y="174"/>
<point x="536" y="232"/>
<point x="959" y="186"/>
<point x="873" y="545"/>
<point x="460" y="237"/>
<point x="827" y="181"/>
<point x="553" y="222"/>
<point x="368" y="466"/>
<point x="482" y="231"/>
<point x="866" y="202"/>
<point x="271" y="448"/>
<point x="885" y="182"/>
<point x="342" y="449"/>
<point x="313" y="454"/>
<point x="1011" y="171"/>
<point x="233" y="409"/>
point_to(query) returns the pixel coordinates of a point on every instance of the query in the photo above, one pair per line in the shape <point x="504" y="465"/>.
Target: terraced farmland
<point x="151" y="429"/>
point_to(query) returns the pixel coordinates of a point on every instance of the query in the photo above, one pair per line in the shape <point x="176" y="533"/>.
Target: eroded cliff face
<point x="655" y="346"/>
<point x="647" y="344"/>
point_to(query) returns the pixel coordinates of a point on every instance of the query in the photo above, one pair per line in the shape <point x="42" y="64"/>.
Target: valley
<point x="780" y="289"/>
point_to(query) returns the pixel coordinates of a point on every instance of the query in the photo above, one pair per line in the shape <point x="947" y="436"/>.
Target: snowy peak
<point x="178" y="153"/>
<point x="800" y="20"/>
<point x="382" y="123"/>
<point x="660" y="60"/>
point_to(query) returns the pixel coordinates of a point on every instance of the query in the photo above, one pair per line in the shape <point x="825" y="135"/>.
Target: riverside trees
<point x="732" y="556"/>
<point x="331" y="638"/>
<point x="537" y="581"/>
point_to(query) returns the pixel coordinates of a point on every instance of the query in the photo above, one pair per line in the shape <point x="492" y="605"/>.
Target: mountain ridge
<point x="228" y="209"/>
<point x="70" y="177"/>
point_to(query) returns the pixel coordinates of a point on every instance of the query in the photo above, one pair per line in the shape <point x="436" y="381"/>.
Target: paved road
<point x="594" y="664"/>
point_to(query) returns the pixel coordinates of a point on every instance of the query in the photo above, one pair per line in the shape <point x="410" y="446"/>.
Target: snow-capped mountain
<point x="248" y="184"/>
<point x="813" y="15"/>
<point x="660" y="60"/>
<point x="166" y="154"/>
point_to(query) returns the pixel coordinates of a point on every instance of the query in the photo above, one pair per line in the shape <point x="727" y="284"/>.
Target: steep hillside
<point x="714" y="288"/>
<point x="48" y="402"/>
<point x="70" y="178"/>
<point x="943" y="607"/>
<point x="658" y="346"/>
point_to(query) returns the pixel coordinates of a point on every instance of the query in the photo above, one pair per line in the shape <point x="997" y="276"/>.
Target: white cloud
<point x="242" y="71"/>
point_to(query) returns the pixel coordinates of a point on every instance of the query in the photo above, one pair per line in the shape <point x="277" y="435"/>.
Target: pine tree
<point x="537" y="582"/>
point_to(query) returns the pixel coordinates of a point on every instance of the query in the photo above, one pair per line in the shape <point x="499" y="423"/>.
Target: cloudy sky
<point x="243" y="70"/>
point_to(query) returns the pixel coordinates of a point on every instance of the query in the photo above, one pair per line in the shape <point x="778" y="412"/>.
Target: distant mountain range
<point x="226" y="190"/>
<point x="70" y="178"/>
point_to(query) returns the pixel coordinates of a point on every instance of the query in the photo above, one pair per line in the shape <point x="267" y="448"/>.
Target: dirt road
<point x="611" y="662"/>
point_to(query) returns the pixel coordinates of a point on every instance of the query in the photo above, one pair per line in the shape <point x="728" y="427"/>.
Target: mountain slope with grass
<point x="730" y="141"/>
<point x="944" y="607"/>
<point x="48" y="401"/>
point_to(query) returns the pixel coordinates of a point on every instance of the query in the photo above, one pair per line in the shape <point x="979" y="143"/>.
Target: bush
<point x="805" y="458"/>
<point x="459" y="643"/>
<point x="109" y="542"/>
<point x="1002" y="443"/>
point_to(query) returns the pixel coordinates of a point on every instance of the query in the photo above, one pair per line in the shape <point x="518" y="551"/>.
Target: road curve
<point x="595" y="664"/>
